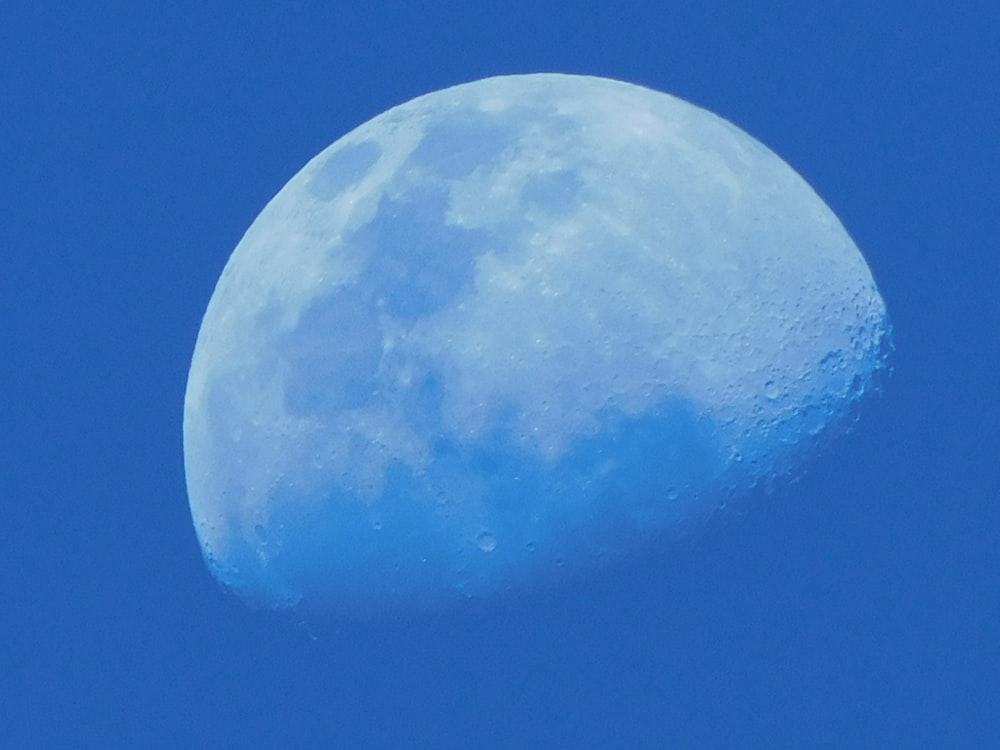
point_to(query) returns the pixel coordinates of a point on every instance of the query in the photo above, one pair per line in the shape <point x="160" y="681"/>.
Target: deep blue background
<point x="859" y="608"/>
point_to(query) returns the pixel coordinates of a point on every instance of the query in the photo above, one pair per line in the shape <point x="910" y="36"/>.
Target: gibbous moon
<point x="510" y="331"/>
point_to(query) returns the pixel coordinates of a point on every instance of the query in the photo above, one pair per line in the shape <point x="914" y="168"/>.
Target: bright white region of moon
<point x="508" y="331"/>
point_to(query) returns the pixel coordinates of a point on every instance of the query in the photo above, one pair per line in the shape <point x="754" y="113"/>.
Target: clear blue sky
<point x="859" y="608"/>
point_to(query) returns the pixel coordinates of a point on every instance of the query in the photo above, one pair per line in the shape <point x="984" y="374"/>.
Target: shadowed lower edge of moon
<point x="417" y="547"/>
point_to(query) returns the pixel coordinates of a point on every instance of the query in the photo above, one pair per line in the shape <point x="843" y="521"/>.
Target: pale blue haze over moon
<point x="509" y="331"/>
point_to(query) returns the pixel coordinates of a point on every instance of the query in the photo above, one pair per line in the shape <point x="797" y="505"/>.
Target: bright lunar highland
<point x="509" y="331"/>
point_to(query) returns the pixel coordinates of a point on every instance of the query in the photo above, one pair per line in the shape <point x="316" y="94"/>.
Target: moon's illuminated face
<point x="508" y="330"/>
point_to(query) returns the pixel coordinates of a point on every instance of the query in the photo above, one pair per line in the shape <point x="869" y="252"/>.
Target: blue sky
<point x="858" y="608"/>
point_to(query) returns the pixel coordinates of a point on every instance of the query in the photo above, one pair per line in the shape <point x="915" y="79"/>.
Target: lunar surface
<point x="507" y="332"/>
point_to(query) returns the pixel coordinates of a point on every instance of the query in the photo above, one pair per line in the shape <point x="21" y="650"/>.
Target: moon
<point x="508" y="332"/>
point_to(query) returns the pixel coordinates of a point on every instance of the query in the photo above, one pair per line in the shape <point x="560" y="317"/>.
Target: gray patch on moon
<point x="344" y="168"/>
<point x="423" y="263"/>
<point x="331" y="355"/>
<point x="468" y="140"/>
<point x="555" y="193"/>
